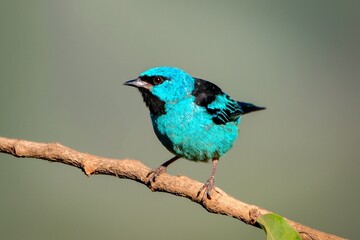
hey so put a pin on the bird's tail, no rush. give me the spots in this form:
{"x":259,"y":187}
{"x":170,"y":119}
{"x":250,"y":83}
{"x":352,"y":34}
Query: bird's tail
{"x":249,"y":107}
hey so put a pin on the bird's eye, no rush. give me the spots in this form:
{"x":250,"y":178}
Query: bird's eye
{"x":158,"y":80}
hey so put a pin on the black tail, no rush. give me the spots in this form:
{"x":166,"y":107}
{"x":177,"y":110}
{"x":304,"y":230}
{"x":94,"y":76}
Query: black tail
{"x":248,"y":107}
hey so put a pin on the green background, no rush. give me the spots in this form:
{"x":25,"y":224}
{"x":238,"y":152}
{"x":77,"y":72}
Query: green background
{"x":62,"y":65}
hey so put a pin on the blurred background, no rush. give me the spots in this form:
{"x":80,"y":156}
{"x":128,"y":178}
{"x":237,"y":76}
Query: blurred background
{"x":62,"y":65}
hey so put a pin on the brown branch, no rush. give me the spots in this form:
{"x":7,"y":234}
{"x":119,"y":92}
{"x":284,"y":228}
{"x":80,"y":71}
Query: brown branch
{"x":220,"y":203}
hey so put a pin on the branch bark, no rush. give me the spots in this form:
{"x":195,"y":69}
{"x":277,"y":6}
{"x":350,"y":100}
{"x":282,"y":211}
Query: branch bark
{"x":220,"y":202}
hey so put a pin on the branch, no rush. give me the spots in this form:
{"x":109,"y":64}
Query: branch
{"x":220,"y":202}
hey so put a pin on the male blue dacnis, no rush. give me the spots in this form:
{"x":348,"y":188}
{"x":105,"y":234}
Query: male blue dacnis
{"x":192,"y":117}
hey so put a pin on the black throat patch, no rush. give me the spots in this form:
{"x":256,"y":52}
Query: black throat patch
{"x":155,"y":105}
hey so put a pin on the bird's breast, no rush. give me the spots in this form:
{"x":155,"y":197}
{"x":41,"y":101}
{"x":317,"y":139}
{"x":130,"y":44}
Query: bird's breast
{"x":187,"y":130}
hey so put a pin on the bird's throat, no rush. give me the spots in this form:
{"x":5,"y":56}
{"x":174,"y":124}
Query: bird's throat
{"x":155,"y":105}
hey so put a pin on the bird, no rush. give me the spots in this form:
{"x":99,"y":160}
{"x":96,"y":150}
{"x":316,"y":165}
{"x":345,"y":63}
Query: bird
{"x":192,"y":117}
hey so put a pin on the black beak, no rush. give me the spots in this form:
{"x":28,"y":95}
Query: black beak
{"x":138,"y":83}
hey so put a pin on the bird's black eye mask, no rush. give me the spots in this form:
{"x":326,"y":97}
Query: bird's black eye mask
{"x":153,"y":80}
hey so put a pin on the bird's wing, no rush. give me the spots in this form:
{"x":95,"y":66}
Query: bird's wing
{"x":222,"y":108}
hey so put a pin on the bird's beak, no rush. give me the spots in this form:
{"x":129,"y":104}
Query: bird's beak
{"x":138,"y":83}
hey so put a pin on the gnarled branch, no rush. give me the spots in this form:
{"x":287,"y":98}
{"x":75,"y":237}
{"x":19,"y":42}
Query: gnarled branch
{"x":220,"y":202}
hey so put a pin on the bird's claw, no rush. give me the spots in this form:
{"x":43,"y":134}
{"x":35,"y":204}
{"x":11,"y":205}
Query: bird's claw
{"x":153,"y":174}
{"x":208,"y":186}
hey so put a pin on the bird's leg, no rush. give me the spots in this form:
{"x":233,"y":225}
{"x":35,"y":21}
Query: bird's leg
{"x":153,"y":174}
{"x":208,"y":186}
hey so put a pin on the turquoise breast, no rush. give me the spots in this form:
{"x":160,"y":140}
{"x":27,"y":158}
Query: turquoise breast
{"x":188,"y":131}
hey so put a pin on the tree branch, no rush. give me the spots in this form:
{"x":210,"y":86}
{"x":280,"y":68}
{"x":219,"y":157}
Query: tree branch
{"x":220,"y":202}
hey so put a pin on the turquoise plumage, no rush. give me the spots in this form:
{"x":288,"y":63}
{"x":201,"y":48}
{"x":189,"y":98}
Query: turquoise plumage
{"x":191,"y":117}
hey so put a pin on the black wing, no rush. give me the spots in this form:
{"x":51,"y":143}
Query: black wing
{"x":217,"y":103}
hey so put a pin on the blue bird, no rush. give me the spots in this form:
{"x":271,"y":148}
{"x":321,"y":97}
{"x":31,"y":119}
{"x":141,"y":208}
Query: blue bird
{"x":191,"y":117}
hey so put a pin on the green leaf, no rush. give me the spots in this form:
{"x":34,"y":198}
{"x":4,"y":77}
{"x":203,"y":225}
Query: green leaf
{"x":277,"y":228}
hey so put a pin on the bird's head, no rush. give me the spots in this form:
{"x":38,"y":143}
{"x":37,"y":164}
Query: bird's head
{"x":168,"y":84}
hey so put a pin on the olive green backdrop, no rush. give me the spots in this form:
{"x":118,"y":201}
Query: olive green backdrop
{"x":62,"y":65}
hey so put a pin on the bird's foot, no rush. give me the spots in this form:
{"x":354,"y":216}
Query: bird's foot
{"x":153,"y":174}
{"x":208,"y":186}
